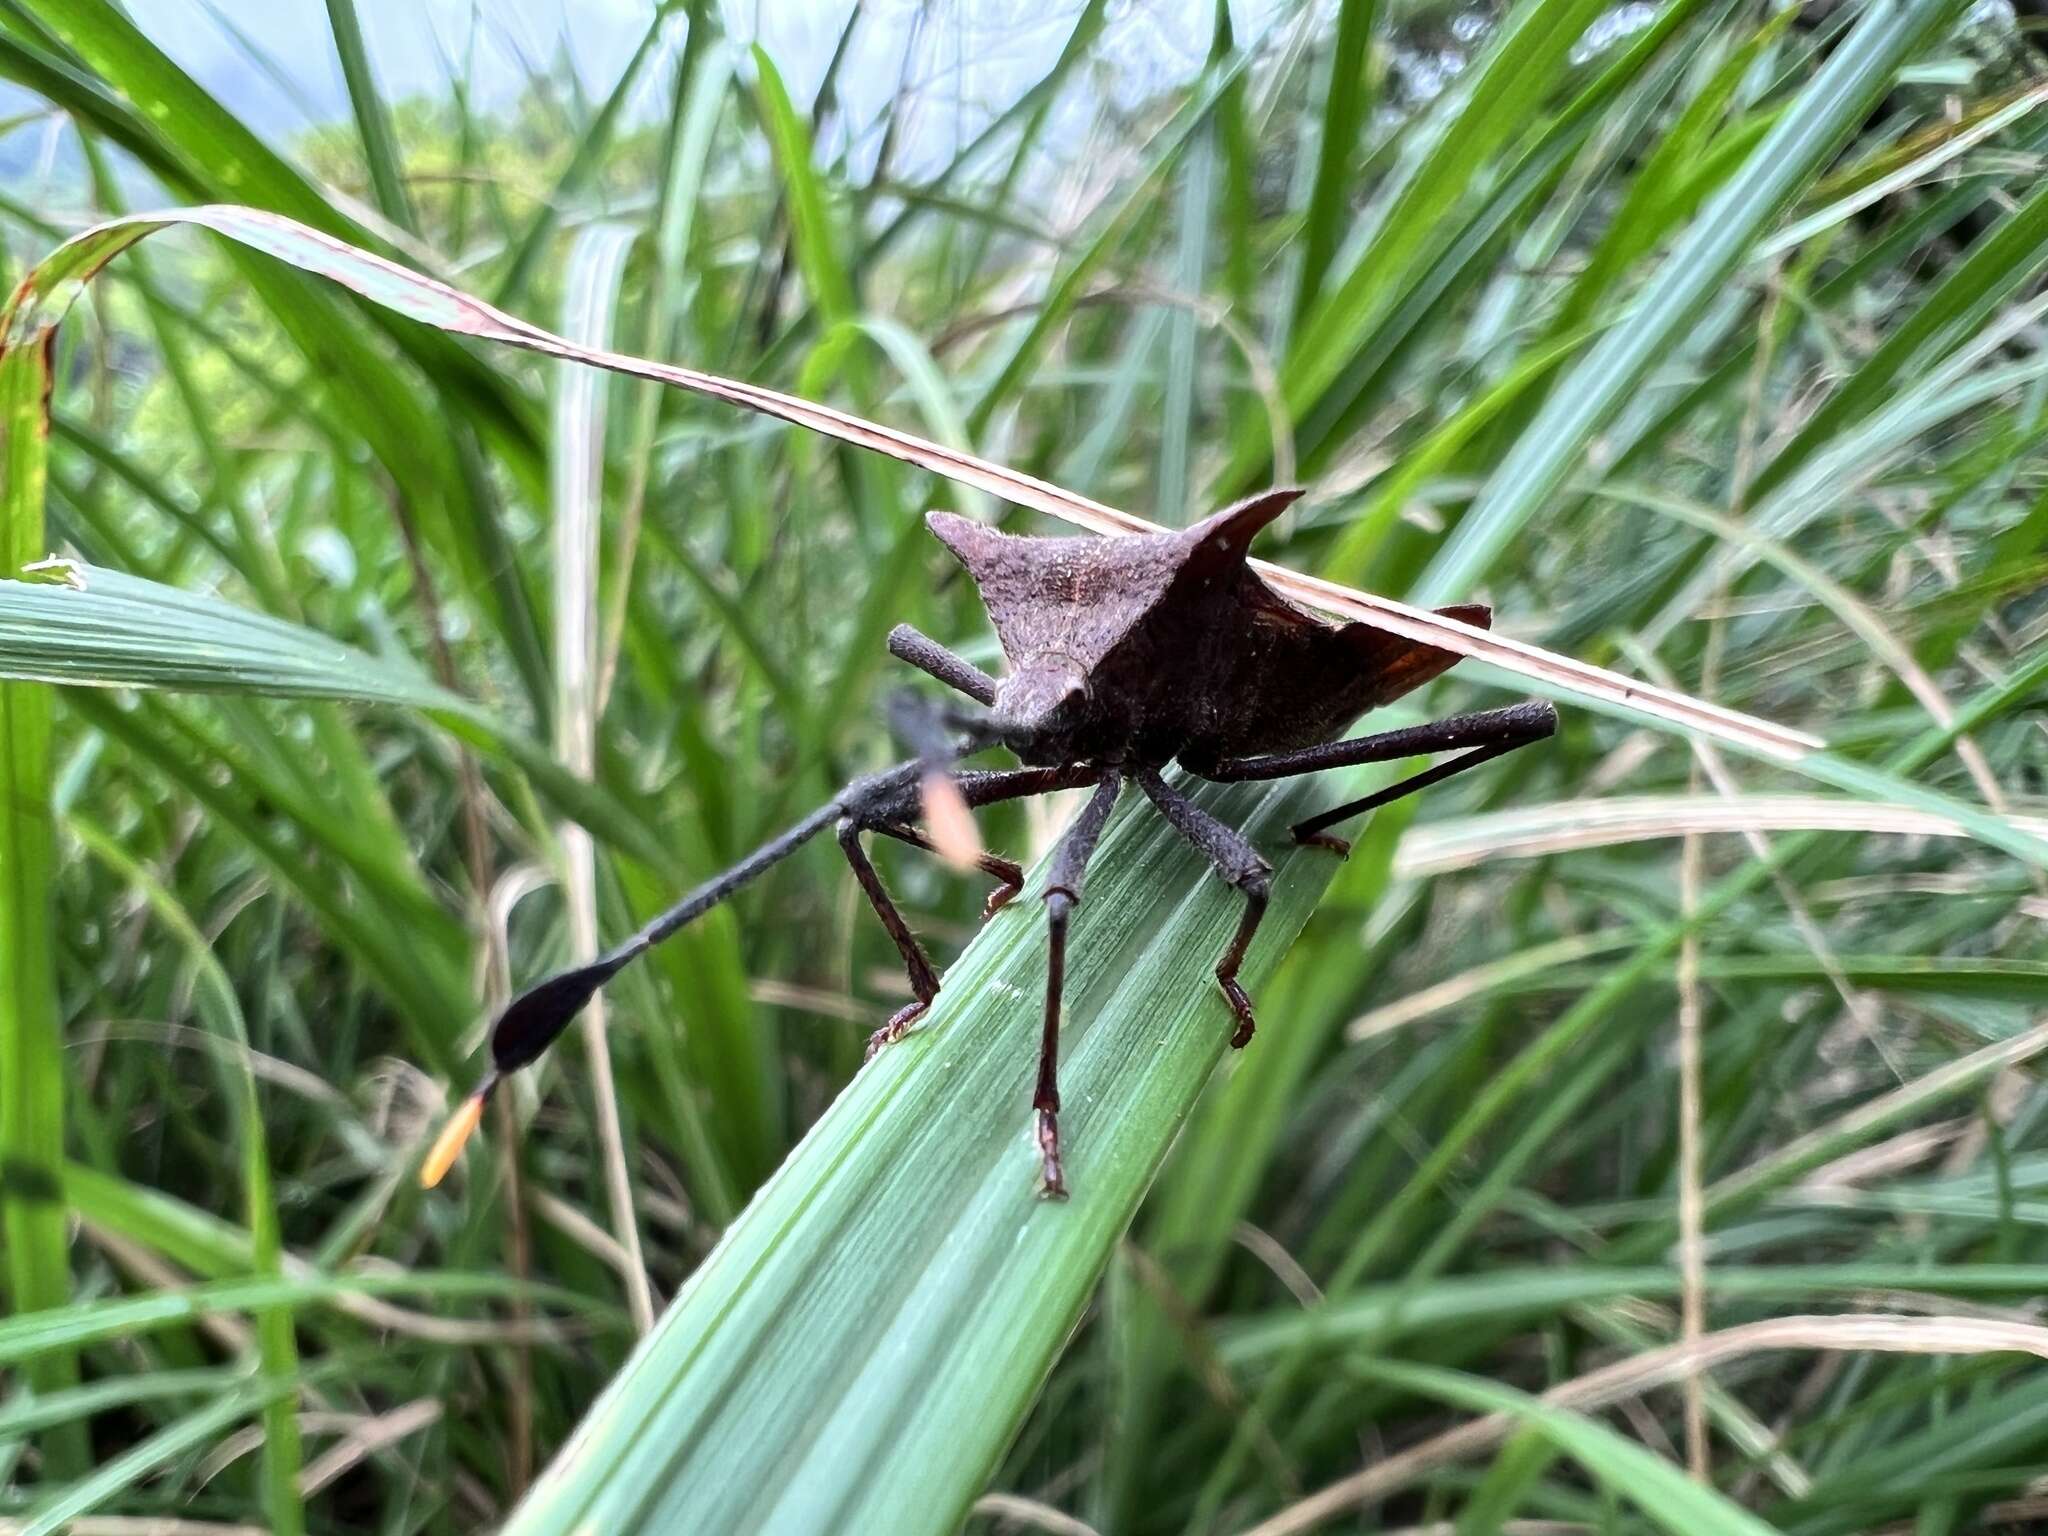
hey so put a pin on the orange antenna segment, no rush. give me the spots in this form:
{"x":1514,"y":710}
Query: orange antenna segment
{"x":949,"y":822}
{"x":449,"y":1144}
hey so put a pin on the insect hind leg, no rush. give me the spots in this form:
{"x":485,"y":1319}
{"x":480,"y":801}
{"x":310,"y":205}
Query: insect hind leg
{"x":1482,"y":736}
{"x":1505,"y":731}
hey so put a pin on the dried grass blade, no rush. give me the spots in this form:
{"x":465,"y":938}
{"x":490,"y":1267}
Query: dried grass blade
{"x":40,"y":304}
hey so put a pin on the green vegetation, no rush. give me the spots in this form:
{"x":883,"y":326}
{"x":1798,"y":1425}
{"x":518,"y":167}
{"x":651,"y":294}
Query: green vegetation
{"x":1703,"y":340}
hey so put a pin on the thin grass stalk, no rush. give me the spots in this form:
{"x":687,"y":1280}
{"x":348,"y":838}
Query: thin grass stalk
{"x":32,"y":1077}
{"x":1692,"y":1244}
{"x":597,"y":265}
{"x":373,"y":118}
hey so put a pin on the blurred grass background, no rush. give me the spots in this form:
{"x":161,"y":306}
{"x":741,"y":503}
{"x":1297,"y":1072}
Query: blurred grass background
{"x":1703,"y":340}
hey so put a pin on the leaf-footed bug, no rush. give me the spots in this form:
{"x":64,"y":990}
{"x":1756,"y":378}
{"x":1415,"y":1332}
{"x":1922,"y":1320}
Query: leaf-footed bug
{"x":1123,"y":655}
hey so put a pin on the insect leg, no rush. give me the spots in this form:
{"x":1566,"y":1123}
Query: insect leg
{"x":927,"y":655}
{"x":1240,"y":865}
{"x":924,"y":981}
{"x":1008,"y":874}
{"x":891,"y":814}
{"x":987,"y":786}
{"x":1489,"y":734}
{"x":888,"y":810}
{"x":533,"y":1020}
{"x":1062,"y":894}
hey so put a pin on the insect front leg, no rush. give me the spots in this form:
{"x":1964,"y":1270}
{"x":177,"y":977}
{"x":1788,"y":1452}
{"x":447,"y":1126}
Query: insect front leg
{"x":1241,"y":866}
{"x":1007,"y":873}
{"x":1062,"y":894}
{"x":924,"y":981}
{"x":888,"y":810}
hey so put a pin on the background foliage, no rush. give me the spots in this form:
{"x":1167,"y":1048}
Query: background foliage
{"x":1702,"y":339}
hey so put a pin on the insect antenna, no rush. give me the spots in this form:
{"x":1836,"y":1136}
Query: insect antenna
{"x":536,"y":1018}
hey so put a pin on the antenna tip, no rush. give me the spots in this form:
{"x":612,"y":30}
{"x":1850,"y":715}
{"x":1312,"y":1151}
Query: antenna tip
{"x":454,"y":1136}
{"x":949,"y":822}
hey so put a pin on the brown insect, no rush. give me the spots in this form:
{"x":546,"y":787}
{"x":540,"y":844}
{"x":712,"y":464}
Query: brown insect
{"x":1124,"y":655}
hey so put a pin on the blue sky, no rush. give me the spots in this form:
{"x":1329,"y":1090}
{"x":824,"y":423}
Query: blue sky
{"x":271,"y":59}
{"x":236,"y":48}
{"x":960,"y":61}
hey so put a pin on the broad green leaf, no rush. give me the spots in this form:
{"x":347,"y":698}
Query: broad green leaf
{"x":899,"y":1279}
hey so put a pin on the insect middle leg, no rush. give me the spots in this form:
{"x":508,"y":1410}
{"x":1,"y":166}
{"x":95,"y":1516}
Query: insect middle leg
{"x":1241,"y":866}
{"x":1062,"y":894}
{"x":1489,"y":734}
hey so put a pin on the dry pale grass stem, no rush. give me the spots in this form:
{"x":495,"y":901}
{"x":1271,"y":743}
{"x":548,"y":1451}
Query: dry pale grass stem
{"x":1883,"y":1333}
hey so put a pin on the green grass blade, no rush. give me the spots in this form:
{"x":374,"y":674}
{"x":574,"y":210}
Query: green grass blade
{"x":32,"y":1079}
{"x":817,"y":248}
{"x":118,"y":630}
{"x":1826,"y":111}
{"x":34,"y":1335}
{"x":1378,"y":1319}
{"x":1346,"y":101}
{"x":1190,"y":268}
{"x":1656,"y":1487}
{"x":103,"y":629}
{"x":373,"y":118}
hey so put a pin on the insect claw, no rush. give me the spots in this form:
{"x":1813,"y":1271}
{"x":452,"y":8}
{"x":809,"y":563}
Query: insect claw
{"x":897,"y":1027}
{"x":1241,"y":1005}
{"x":1000,"y":898}
{"x":1054,"y":1183}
